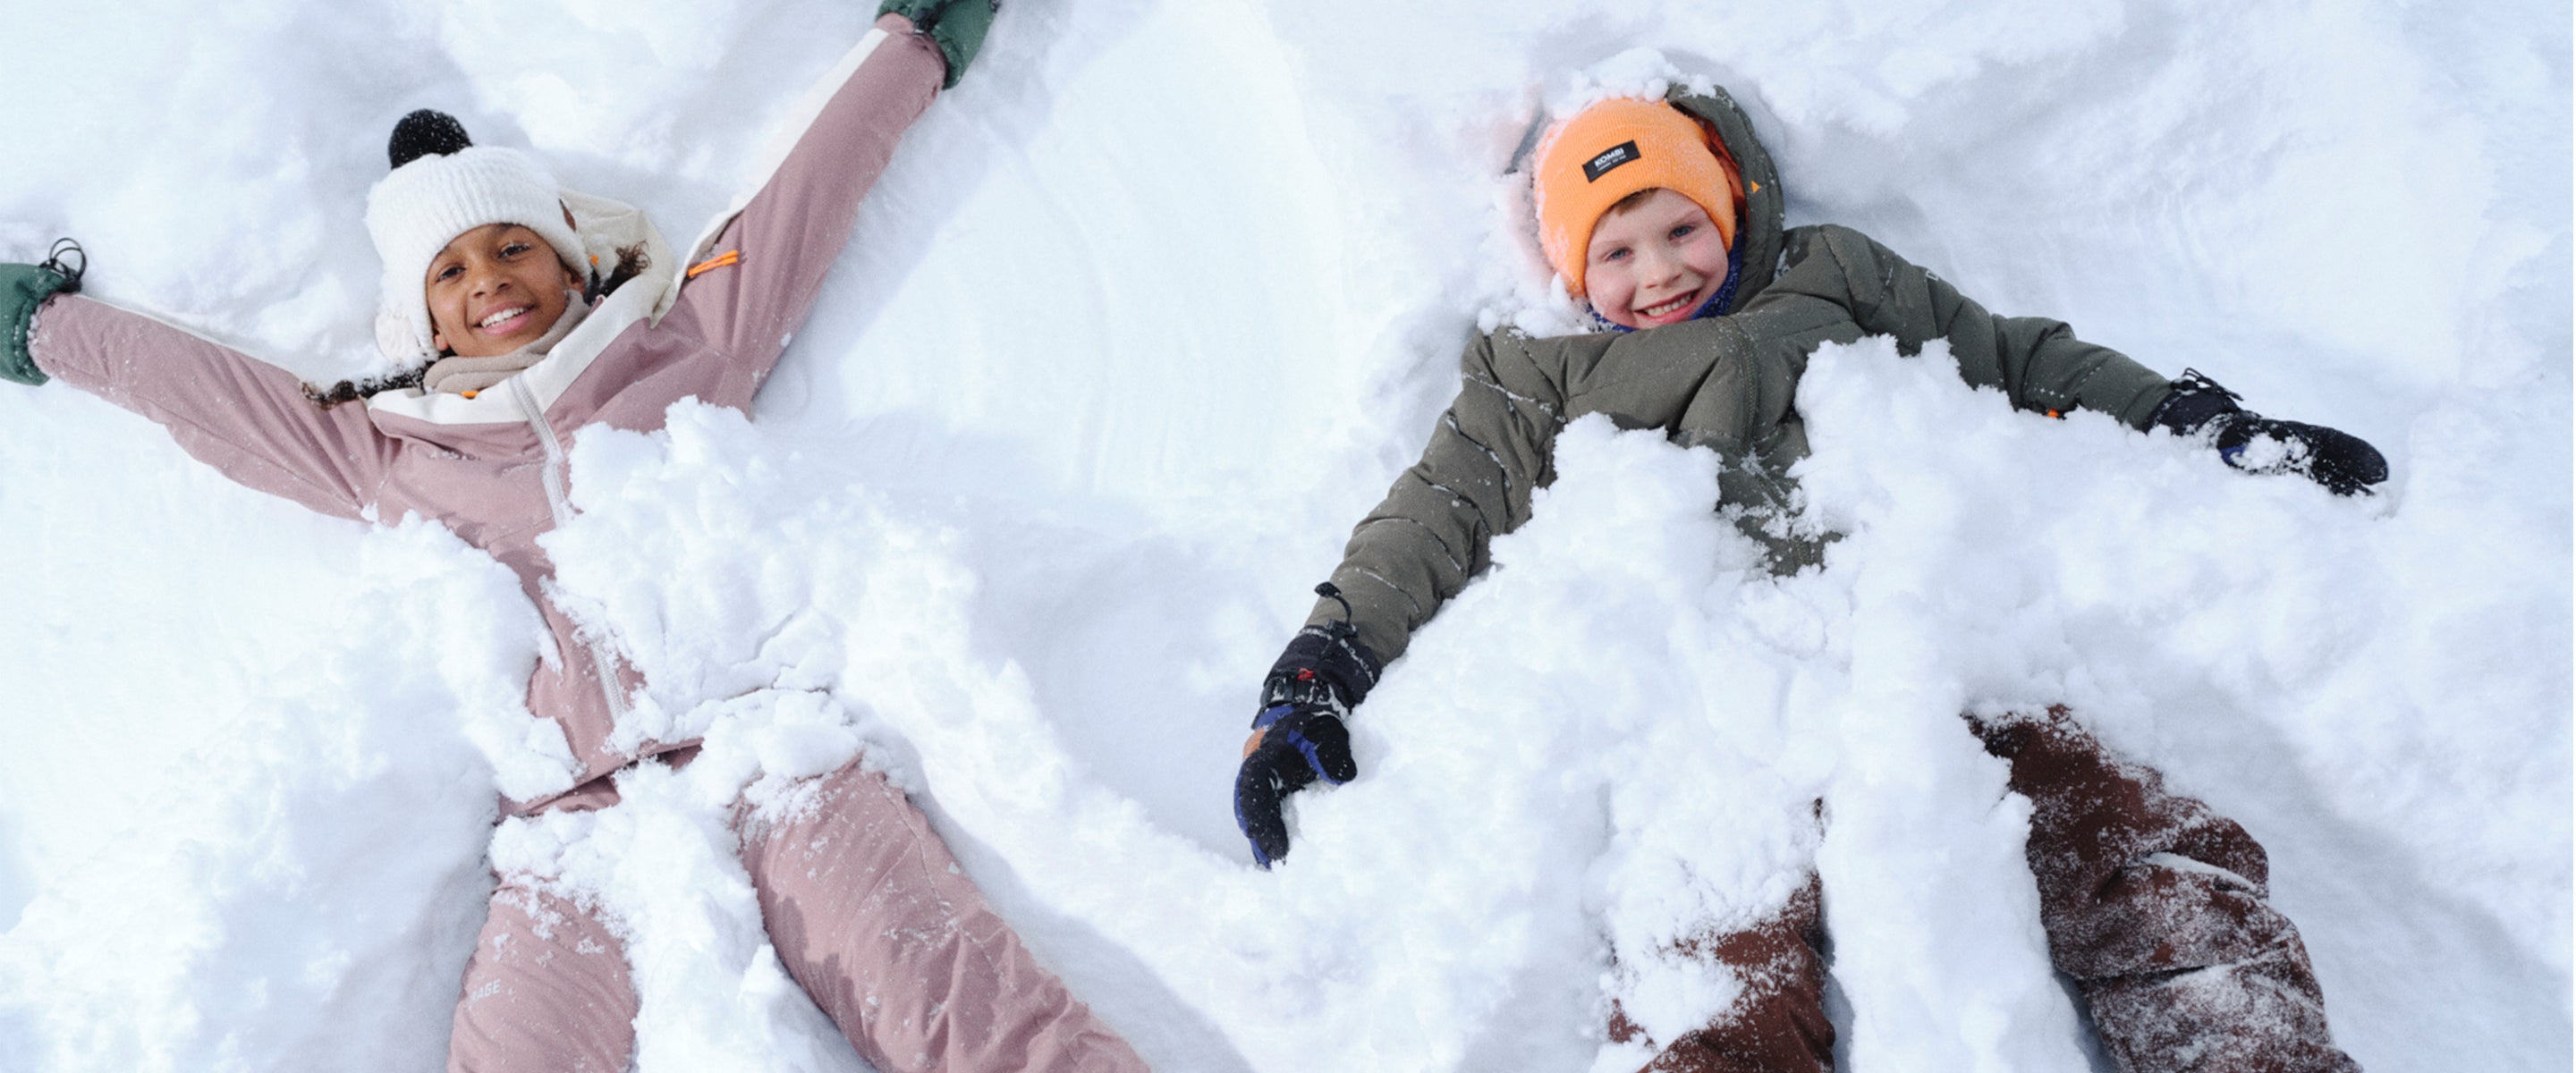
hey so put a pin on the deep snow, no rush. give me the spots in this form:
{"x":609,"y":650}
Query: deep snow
{"x":1146,"y":314}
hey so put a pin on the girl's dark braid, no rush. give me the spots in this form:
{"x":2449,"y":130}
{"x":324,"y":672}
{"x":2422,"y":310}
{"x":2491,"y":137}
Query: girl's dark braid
{"x":353,"y":390}
{"x":631,"y":262}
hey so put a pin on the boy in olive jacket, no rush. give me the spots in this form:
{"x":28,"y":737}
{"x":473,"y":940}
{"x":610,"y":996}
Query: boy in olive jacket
{"x":1665,"y":215}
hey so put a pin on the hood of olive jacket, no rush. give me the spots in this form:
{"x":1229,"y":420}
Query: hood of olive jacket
{"x":1760,"y":231}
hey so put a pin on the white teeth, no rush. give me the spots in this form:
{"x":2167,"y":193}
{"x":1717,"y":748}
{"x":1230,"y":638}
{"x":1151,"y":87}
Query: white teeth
{"x":1666,"y":307}
{"x":497,"y":318}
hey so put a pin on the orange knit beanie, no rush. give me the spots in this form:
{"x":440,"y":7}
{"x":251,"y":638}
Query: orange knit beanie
{"x":1615,"y":148}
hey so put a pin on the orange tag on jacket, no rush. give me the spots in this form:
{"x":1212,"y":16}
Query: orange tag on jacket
{"x":728,"y":257}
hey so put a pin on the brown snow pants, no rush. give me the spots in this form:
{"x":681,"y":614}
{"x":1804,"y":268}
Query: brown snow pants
{"x":868,"y":912}
{"x":2153,"y":904}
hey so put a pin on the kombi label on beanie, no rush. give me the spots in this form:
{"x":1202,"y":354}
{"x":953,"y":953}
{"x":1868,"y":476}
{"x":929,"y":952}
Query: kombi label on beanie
{"x":1616,"y":155}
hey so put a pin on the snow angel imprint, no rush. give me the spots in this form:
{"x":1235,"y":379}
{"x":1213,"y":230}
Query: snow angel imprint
{"x":516,"y":313}
{"x":1665,"y":216}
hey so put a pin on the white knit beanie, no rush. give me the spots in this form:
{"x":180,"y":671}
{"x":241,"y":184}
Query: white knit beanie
{"x":420,"y":207}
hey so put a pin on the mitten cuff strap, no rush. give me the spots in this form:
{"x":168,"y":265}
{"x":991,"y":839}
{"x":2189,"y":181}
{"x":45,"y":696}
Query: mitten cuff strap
{"x":2195,"y":401}
{"x":1325,"y":666}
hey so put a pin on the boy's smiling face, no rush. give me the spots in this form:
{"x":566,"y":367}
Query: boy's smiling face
{"x":1655,"y":259}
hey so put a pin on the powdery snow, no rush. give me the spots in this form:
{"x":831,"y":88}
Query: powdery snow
{"x":1145,"y":315}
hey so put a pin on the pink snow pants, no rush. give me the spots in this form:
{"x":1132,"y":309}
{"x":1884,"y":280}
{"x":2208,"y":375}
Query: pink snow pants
{"x":869,"y":913}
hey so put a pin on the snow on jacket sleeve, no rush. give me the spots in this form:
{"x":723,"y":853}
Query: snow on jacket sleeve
{"x":1494,"y":445}
{"x":765,"y":265}
{"x":2036,"y":362}
{"x":248,"y":419}
{"x":1704,"y":383}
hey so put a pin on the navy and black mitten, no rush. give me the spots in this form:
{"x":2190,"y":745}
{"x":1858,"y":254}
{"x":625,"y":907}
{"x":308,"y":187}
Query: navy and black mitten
{"x":2341,"y":461}
{"x":1314,"y":685}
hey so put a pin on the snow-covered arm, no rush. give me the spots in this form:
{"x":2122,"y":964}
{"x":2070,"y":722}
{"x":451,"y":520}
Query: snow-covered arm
{"x":2035,"y":361}
{"x":762,"y":268}
{"x":1492,"y":448}
{"x":248,"y":419}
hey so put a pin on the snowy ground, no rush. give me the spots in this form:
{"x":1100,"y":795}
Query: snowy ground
{"x":1146,"y":314}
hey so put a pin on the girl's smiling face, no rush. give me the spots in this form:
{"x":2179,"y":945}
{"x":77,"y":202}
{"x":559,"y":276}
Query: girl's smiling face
{"x":1655,"y":259}
{"x":495,"y":289}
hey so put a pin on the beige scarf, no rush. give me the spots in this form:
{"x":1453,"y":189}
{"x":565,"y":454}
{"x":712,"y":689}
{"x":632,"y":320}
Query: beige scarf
{"x":463,"y":376}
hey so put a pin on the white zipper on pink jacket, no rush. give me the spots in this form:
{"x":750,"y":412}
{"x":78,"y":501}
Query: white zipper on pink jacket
{"x":492,"y":466}
{"x":556,"y":478}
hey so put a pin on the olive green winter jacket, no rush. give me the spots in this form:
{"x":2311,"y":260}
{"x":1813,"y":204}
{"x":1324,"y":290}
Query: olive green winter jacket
{"x":1726,"y":382}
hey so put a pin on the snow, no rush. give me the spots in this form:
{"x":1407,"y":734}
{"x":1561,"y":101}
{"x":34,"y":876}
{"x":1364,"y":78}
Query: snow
{"x":1146,"y":314}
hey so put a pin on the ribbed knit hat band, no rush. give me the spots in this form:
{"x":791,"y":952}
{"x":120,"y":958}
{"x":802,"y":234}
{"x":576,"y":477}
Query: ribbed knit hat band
{"x":420,"y":207}
{"x":1615,"y":148}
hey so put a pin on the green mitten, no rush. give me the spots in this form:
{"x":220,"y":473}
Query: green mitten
{"x":956,"y":26}
{"x":22,"y":289}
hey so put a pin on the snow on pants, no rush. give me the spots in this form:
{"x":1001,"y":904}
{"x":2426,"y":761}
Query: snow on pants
{"x":2153,"y":904}
{"x":868,"y":912}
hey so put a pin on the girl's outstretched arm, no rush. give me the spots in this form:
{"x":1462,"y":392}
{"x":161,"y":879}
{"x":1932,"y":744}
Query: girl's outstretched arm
{"x":752,"y":284}
{"x":248,"y":419}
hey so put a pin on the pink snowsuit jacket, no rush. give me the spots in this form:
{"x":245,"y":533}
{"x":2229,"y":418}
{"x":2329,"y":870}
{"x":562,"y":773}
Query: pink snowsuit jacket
{"x":492,"y":467}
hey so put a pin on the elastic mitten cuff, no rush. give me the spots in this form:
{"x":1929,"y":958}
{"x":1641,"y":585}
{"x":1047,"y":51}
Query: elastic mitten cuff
{"x":1324,"y":667}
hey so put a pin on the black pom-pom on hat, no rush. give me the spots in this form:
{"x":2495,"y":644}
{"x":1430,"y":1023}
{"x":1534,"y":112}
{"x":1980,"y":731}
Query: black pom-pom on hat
{"x":423,"y":133}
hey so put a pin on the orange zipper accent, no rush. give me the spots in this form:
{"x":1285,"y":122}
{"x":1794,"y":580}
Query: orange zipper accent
{"x":728,"y":257}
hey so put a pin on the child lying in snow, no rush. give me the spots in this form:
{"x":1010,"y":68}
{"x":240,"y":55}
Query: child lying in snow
{"x":1665,"y":215}
{"x":494,"y":296}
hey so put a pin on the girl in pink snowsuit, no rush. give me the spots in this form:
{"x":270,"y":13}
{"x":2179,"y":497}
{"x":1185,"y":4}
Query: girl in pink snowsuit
{"x":538,"y":311}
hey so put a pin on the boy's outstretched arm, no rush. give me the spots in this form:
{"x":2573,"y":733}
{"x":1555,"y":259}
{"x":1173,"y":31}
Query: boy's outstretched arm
{"x":1422,"y":544}
{"x":2041,"y":366}
{"x":1493,"y":447}
{"x":2036,"y":362}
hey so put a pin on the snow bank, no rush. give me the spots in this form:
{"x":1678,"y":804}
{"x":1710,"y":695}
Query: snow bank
{"x":300,"y":887}
{"x":1146,"y":314}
